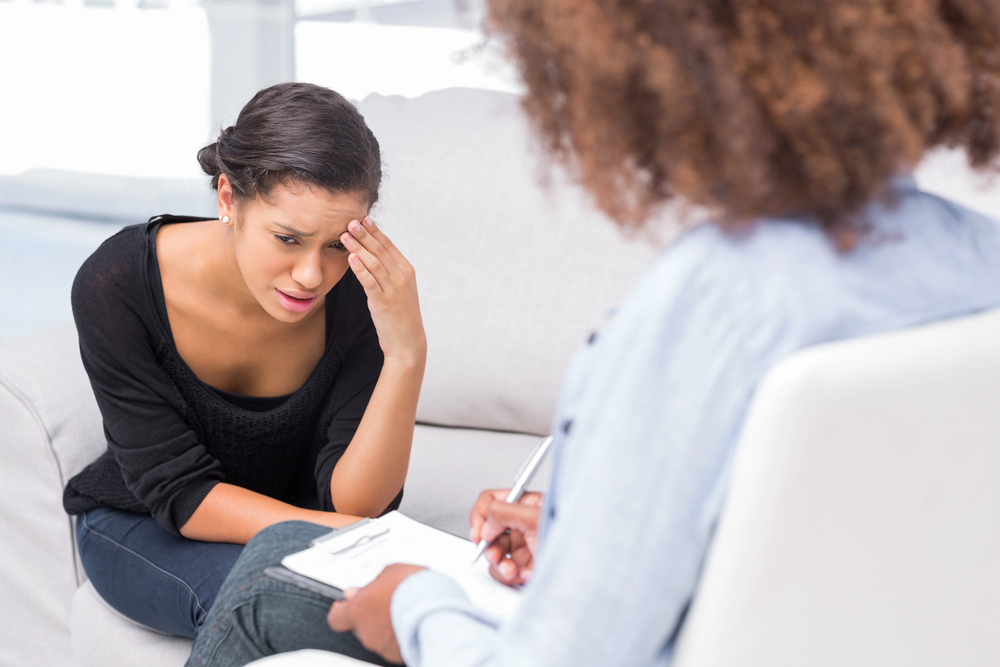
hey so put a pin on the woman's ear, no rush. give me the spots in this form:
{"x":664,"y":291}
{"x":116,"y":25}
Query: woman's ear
{"x":225,"y":200}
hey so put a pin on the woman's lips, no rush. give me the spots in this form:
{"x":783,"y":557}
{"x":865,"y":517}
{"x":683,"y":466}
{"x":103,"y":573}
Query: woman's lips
{"x":294,"y":304}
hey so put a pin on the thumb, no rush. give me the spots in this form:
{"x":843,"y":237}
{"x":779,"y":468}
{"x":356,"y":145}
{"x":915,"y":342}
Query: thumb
{"x":339,"y":617}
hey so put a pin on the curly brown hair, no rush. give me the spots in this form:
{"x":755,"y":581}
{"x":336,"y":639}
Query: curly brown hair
{"x":754,"y":108}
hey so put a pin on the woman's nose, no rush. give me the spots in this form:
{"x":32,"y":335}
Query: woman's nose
{"x":308,"y":271}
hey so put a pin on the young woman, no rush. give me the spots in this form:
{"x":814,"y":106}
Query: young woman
{"x":250,"y":369}
{"x":795,"y":123}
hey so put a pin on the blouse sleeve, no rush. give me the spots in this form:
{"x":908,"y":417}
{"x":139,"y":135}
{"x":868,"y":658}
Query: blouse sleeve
{"x":162,"y":463}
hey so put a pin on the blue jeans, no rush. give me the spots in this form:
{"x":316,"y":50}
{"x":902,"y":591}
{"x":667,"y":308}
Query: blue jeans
{"x":162,"y":580}
{"x":256,"y":616}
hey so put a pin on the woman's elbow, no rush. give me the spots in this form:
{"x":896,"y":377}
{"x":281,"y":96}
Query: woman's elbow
{"x":365,"y":505}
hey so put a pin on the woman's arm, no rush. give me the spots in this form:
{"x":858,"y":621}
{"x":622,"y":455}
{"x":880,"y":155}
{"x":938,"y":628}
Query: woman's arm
{"x":372,"y":469}
{"x":234,"y":514}
{"x":371,"y":472}
{"x":380,"y":445}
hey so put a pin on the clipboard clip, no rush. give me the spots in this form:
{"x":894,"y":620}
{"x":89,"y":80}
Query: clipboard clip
{"x":339,"y":542}
{"x":364,"y":539}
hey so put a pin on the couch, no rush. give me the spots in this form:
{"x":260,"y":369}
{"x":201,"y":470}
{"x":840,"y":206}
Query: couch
{"x":514,"y":272}
{"x":515,"y":269}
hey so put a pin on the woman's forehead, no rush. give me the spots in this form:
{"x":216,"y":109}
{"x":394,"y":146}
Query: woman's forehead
{"x":303,"y":203}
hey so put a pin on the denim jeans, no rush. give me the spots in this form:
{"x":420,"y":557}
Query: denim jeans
{"x":161,"y":580}
{"x":255,"y":616}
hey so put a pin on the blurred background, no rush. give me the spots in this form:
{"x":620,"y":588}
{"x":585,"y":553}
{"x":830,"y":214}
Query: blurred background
{"x":105,"y":104}
{"x":135,"y":87}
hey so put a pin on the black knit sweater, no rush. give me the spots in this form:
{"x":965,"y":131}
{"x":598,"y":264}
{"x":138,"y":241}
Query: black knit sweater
{"x":172,"y":438}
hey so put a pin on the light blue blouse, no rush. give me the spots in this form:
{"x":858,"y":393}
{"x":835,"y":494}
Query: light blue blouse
{"x":650,"y":413}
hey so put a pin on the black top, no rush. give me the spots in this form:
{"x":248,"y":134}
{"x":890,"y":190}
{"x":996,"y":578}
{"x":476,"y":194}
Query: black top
{"x":172,"y":438}
{"x":251,"y":403}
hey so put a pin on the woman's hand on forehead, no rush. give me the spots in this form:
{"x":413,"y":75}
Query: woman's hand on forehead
{"x":390,"y":283}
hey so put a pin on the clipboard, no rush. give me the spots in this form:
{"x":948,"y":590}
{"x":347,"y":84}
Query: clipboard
{"x":353,"y":556}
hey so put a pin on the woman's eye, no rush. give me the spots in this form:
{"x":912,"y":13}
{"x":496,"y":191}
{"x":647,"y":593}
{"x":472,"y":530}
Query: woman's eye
{"x":287,"y":240}
{"x":338,"y":245}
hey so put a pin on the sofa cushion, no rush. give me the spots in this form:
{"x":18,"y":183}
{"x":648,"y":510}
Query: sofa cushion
{"x":512,"y":276}
{"x":449,"y":467}
{"x":102,"y":637}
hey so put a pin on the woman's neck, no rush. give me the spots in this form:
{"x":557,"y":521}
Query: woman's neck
{"x":223,"y":277}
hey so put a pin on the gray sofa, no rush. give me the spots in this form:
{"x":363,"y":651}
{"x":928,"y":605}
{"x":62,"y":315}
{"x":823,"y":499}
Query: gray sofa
{"x":513,"y":275}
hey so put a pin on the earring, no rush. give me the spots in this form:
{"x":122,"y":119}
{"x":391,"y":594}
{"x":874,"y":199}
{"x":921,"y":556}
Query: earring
{"x":225,"y":219}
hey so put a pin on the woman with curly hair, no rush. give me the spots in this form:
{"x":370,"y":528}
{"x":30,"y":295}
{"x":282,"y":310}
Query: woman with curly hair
{"x":795,"y":124}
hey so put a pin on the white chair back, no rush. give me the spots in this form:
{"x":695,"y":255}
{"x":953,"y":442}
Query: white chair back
{"x":862,"y":523}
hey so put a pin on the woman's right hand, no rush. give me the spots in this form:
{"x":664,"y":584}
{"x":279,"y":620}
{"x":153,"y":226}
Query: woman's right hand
{"x":391,"y":285}
{"x":513,"y":530}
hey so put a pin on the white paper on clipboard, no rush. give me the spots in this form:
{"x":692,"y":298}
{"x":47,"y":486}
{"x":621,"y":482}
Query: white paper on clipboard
{"x":354,"y":557}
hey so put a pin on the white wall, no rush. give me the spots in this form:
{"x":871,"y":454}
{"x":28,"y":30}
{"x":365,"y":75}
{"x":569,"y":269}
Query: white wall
{"x":357,"y":59}
{"x":127,"y":91}
{"x":103,"y":90}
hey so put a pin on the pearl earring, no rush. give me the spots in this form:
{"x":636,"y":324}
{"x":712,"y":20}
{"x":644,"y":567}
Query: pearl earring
{"x":225,"y":219}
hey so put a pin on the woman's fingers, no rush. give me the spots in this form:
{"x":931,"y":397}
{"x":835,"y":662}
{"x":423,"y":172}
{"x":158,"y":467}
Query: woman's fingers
{"x":390,"y":247}
{"x":501,"y":517}
{"x":391,"y":286}
{"x":512,"y":531}
{"x":369,"y":242}
{"x":479,"y":511}
{"x":478,"y":515}
{"x":368,"y":236}
{"x":371,"y":258}
{"x":514,"y":568}
{"x":510,"y":558}
{"x":531,"y":498}
{"x":504,"y":546}
{"x":365,"y":277}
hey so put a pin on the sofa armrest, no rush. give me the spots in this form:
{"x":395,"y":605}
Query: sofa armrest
{"x":51,"y":429}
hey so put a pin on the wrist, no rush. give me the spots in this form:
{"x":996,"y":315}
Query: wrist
{"x":409,"y":360}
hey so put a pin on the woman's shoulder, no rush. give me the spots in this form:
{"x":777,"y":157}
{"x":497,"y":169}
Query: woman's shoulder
{"x":116,"y":261}
{"x":113,"y":279}
{"x":122,"y":260}
{"x":922,"y":258}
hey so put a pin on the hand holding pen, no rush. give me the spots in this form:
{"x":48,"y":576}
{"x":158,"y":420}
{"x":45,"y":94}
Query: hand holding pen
{"x":505,"y":523}
{"x":512,"y":530}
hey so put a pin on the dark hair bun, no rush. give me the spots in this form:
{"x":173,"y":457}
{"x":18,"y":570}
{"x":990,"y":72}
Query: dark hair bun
{"x":300,"y":132}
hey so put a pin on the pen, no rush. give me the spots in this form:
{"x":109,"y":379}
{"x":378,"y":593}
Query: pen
{"x":521,"y":481}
